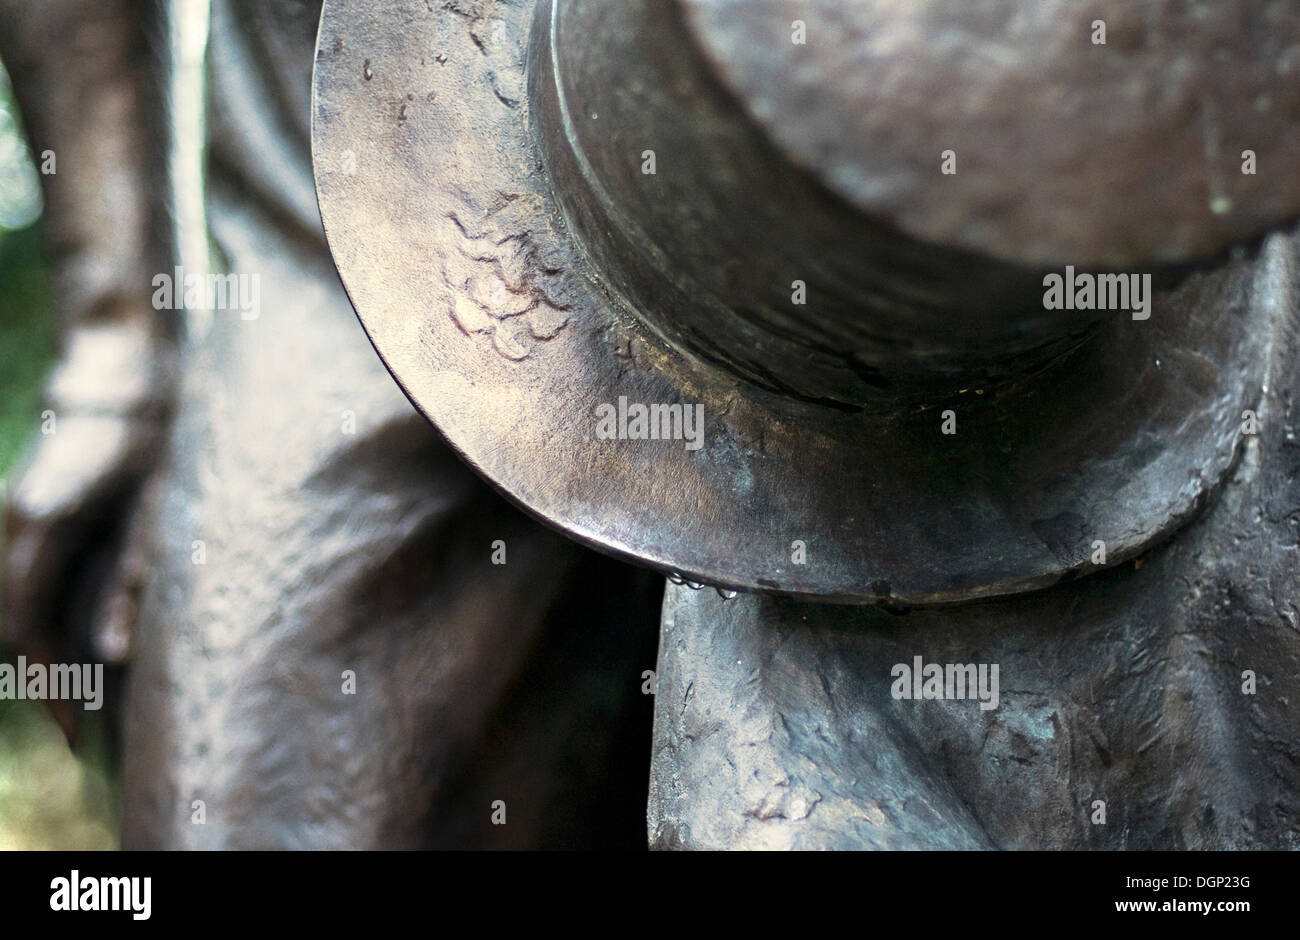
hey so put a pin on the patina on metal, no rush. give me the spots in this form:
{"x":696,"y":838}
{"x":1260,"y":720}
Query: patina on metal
{"x":480,"y":171}
{"x":820,"y":160}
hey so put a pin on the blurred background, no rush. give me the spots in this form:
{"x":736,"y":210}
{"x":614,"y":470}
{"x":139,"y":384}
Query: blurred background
{"x":52,"y":796}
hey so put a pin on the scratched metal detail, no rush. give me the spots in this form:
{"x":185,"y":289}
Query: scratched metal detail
{"x":485,"y":295}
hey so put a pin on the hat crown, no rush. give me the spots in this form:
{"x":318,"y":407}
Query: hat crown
{"x":1106,"y":134}
{"x":767,"y":182}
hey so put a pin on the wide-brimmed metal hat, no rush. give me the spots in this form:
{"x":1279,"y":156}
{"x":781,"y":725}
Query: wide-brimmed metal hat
{"x":857,"y":301}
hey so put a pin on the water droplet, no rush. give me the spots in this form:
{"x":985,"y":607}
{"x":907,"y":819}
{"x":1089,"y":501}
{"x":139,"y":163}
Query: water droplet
{"x":693,"y":585}
{"x":676,"y":578}
{"x":365,"y":71}
{"x":726,"y":593}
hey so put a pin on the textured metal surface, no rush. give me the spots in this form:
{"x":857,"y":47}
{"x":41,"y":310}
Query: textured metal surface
{"x":708,"y":247}
{"x":463,"y":271}
{"x":823,"y":161}
{"x":1127,"y":153}
{"x":775,"y":726}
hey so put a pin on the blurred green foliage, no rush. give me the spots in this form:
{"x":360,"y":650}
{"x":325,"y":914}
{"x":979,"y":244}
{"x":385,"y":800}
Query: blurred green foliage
{"x":27,"y":340}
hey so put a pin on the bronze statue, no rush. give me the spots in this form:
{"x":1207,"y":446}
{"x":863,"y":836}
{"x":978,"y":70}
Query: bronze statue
{"x":942,"y":357}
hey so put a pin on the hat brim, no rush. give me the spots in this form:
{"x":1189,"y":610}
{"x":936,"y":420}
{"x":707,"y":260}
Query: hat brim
{"x":455,"y":255}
